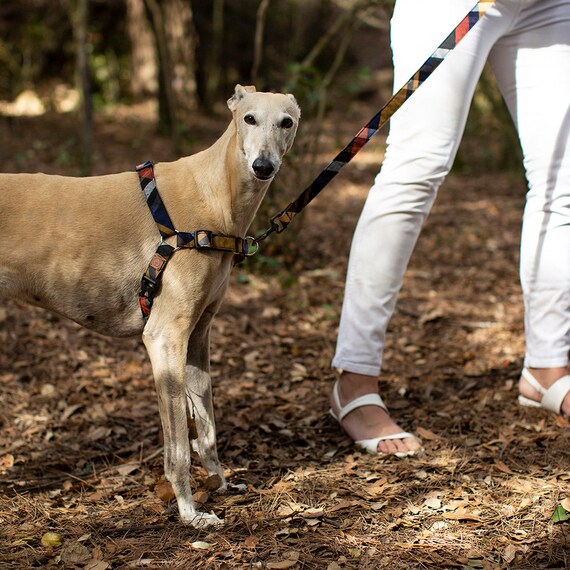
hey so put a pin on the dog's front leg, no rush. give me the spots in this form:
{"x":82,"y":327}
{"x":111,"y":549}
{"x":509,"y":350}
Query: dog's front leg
{"x":199,"y":393}
{"x":167,"y":346}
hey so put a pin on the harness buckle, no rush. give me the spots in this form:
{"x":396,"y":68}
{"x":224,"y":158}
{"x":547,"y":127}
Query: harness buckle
{"x":147,"y":286}
{"x":203,"y":239}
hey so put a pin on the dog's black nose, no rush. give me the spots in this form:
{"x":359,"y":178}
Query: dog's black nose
{"x":263,"y":168}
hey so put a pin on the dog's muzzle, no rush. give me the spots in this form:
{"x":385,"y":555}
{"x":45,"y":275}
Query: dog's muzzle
{"x":263,"y":168}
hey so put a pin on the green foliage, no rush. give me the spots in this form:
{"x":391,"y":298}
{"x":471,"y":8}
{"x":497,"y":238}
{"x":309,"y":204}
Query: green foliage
{"x":560,"y":514}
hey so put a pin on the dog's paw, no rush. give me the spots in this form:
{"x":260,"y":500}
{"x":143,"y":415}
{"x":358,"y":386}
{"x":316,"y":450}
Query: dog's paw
{"x":203,"y":520}
{"x":232,"y":489}
{"x":215,"y":482}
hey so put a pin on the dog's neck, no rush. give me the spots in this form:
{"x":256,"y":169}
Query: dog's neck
{"x":242,"y":200}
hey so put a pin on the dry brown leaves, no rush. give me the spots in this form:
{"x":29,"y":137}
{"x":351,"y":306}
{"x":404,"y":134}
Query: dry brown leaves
{"x":80,"y":445}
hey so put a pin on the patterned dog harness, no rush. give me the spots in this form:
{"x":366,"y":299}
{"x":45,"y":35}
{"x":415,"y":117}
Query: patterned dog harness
{"x":199,"y":239}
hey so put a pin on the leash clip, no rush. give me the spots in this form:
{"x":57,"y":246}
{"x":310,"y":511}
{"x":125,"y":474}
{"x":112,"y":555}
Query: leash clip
{"x":278,"y":223}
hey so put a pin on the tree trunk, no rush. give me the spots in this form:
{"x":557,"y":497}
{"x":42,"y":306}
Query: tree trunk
{"x":143,"y":51}
{"x":258,"y":44}
{"x":80,"y":19}
{"x":175,"y":37}
{"x":214,"y":67}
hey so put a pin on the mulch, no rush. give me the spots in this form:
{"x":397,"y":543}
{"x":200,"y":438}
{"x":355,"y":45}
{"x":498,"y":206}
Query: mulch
{"x":80,"y":444}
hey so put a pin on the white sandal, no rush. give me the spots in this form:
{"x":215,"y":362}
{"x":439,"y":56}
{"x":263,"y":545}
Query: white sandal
{"x":552,"y":398}
{"x":369,"y":445}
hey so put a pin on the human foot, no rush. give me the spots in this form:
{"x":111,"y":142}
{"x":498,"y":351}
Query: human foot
{"x":547,"y":388}
{"x":356,"y":405}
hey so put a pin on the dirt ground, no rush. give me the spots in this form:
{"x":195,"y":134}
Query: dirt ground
{"x":80,"y":440}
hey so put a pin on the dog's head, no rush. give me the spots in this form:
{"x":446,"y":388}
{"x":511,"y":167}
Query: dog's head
{"x":266,"y":124}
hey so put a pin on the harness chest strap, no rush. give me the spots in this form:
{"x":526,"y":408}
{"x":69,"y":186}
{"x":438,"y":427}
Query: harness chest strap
{"x":199,"y":239}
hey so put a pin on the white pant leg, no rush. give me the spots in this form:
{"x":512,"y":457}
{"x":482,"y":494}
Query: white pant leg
{"x":423,"y":140}
{"x":532,"y":65}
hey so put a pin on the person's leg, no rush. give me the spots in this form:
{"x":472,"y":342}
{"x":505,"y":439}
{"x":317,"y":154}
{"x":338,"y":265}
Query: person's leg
{"x":423,"y":140}
{"x":532,"y":65}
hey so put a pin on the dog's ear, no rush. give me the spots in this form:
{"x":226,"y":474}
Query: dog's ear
{"x":239,"y":94}
{"x":292,"y":97}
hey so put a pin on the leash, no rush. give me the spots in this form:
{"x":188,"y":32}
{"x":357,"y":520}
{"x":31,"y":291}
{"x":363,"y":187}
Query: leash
{"x":281,"y":220}
{"x":199,"y":239}
{"x":246,"y":247}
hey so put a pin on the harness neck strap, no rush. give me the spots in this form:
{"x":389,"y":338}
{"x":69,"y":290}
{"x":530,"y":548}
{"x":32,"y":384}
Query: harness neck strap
{"x":153,"y":199}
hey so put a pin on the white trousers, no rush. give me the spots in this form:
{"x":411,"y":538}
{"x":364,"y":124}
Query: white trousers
{"x":527,"y":43}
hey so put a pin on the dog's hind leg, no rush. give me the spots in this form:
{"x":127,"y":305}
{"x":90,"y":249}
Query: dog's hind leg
{"x":166,"y":344}
{"x":199,"y":394}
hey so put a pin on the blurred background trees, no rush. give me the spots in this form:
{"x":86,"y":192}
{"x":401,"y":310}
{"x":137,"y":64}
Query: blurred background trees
{"x":186,"y":55}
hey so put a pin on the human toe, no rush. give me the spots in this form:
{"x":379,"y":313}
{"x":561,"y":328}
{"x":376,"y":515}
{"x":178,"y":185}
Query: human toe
{"x":407,"y":446}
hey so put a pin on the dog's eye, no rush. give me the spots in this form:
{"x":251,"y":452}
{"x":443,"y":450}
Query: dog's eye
{"x":286,"y":123}
{"x":250,"y":120}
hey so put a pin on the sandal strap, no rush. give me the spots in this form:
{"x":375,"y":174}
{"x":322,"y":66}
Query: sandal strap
{"x":554,"y":396}
{"x":366,"y":400}
{"x":533,"y":381}
{"x":371,"y":445}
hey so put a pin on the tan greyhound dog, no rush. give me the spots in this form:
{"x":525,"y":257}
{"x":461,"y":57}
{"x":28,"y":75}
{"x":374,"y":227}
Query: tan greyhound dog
{"x":79,"y":247}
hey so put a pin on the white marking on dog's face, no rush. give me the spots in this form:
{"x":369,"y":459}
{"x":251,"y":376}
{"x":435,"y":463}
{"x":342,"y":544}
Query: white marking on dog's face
{"x":266,"y":125}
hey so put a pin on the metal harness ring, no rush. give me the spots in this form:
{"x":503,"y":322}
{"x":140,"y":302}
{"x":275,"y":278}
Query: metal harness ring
{"x":252,"y":246}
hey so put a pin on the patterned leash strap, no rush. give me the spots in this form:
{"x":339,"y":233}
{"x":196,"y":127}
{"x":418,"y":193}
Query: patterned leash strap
{"x":281,"y":220}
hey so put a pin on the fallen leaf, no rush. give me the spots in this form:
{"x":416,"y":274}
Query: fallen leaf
{"x":510,"y":553}
{"x":270,"y":312}
{"x":289,"y":509}
{"x":298,"y":372}
{"x":201,"y":497}
{"x":340,"y":506}
{"x":455,"y":504}
{"x":98,"y":433}
{"x":355,"y":552}
{"x":426,"y":434}
{"x":127,"y":468}
{"x":504,"y":468}
{"x":6,"y":462}
{"x":312,"y":513}
{"x":439,"y":526}
{"x":96,"y":565}
{"x":281,"y":564}
{"x":75,"y":553}
{"x":22,"y":540}
{"x":52,"y":539}
{"x":433,"y":503}
{"x":69,"y":411}
{"x":213,"y":482}
{"x":290,"y":561}
{"x":164,"y":490}
{"x":462,"y":514}
{"x":48,"y":390}
{"x":201,"y":545}
{"x":560,"y":514}
{"x":251,"y":542}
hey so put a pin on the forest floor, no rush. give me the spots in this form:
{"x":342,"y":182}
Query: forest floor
{"x":80,"y":439}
